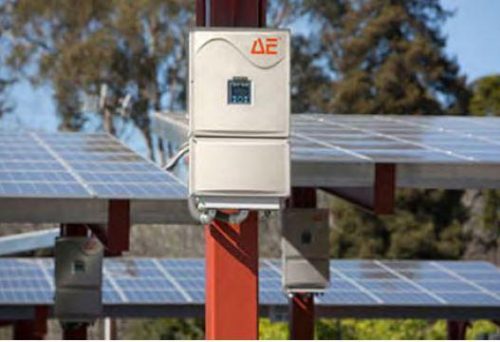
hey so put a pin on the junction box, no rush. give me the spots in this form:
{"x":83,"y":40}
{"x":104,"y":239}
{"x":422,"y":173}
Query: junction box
{"x":305,"y":250}
{"x":239,"y":110}
{"x":78,"y":279}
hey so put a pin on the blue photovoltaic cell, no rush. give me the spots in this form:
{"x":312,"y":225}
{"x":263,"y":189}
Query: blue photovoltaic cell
{"x":346,"y":298}
{"x":367,"y":274}
{"x":446,"y":286}
{"x":479,"y":276}
{"x":75,"y":165}
{"x":155,"y":297}
{"x":427,"y":275}
{"x":341,"y":285}
{"x":401,"y":298}
{"x":111,"y":297}
{"x":144,"y":284}
{"x":468,"y":266}
{"x":470,"y":298}
{"x":493,"y":286}
{"x":197,"y":296}
{"x":181,"y":281}
{"x":387,"y":286}
{"x":272,"y":297}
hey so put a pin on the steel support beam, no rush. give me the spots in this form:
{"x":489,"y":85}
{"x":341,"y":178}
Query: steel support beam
{"x":457,"y":330}
{"x":301,"y":305}
{"x":35,"y":329}
{"x":118,"y":230}
{"x":379,"y":199}
{"x":232,"y":251}
{"x":232,"y":305}
{"x":302,"y":316}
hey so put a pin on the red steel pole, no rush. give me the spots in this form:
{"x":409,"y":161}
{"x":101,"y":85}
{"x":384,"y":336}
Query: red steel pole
{"x":232,"y":304}
{"x":35,"y":329}
{"x":232,"y":253}
{"x":302,"y":316}
{"x":301,"y":305}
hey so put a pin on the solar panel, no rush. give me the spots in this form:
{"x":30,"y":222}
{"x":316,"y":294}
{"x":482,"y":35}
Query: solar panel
{"x":384,"y":288}
{"x":343,"y":150}
{"x":71,"y":177}
{"x":75,"y":165}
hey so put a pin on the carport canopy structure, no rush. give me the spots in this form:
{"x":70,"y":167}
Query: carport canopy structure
{"x":73,"y":178}
{"x":365,"y":158}
{"x":155,"y":287}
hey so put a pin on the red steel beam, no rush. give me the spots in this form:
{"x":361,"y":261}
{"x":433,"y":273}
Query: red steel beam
{"x":301,"y":305}
{"x":73,"y":230}
{"x":232,"y":253}
{"x":118,"y":230}
{"x":457,"y":330}
{"x":379,"y":199}
{"x":302,"y":316}
{"x":231,"y":13}
{"x":77,"y":332}
{"x":35,"y":329}
{"x":231,"y":305}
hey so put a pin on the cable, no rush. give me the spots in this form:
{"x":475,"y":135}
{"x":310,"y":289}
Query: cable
{"x":170,"y":164}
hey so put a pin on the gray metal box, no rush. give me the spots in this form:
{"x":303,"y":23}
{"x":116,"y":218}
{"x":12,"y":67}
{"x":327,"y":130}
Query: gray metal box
{"x":78,"y":279}
{"x":305,"y":250}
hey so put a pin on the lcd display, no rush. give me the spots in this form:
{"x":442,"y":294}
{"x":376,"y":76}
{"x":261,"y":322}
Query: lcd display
{"x":240,"y":91}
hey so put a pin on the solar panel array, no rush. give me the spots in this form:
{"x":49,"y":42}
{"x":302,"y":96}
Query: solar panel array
{"x":353,"y":283}
{"x":76,"y":165}
{"x":378,"y":138}
{"x":396,"y":139}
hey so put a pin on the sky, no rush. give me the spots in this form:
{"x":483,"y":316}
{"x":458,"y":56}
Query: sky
{"x":474,"y":36}
{"x":473,"y":39}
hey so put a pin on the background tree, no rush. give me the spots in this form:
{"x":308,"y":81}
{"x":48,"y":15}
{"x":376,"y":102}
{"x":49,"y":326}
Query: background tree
{"x":483,"y":227}
{"x":486,"y":96}
{"x":387,"y":57}
{"x":133,"y":48}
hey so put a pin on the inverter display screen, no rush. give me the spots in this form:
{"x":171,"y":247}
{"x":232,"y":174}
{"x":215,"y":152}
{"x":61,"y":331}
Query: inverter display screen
{"x":239,"y":91}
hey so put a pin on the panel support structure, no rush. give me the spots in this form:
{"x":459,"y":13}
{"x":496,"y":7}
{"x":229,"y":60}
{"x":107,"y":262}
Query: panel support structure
{"x":232,"y":307}
{"x":232,"y":253}
{"x":32,"y":329}
{"x":379,"y":198}
{"x":302,"y":316}
{"x":457,"y":330}
{"x":118,"y":230}
{"x":301,"y":305}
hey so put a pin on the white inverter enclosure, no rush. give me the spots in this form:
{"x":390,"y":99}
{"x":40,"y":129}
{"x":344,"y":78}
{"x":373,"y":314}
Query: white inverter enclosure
{"x":239,"y":114}
{"x":239,"y":82}
{"x":244,"y":168}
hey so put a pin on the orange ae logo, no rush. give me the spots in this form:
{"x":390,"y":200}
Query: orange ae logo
{"x":267,"y":46}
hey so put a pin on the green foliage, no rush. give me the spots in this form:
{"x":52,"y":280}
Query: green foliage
{"x":486,"y":98}
{"x":480,"y":329}
{"x":166,"y":329}
{"x":426,"y":225}
{"x":364,"y":329}
{"x":380,"y":329}
{"x":388,"y":57}
{"x":272,"y":330}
